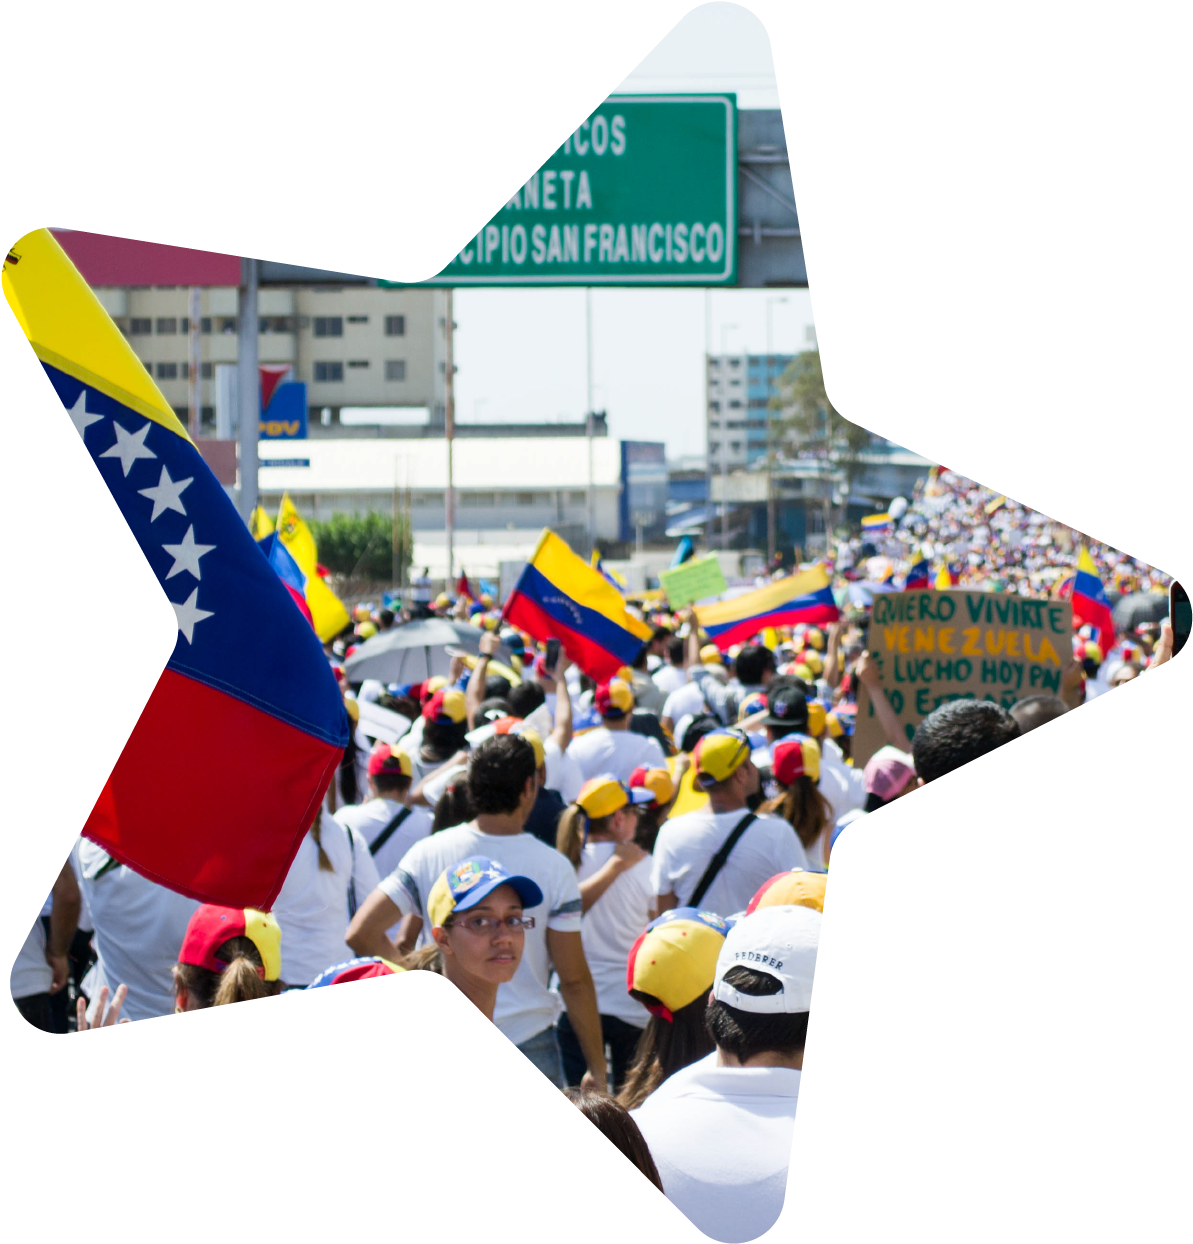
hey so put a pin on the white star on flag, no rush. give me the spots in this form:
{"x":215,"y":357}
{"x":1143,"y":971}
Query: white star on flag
{"x":165,"y":494}
{"x":81,"y":417}
{"x":186,"y":555}
{"x":189,"y":613}
{"x":129,"y":446}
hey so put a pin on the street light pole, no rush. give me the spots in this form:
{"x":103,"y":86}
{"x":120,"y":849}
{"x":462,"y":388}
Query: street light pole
{"x":725,"y":330}
{"x":449,"y":429}
{"x":248,"y":383}
{"x":590,"y":500}
{"x":708,"y":510}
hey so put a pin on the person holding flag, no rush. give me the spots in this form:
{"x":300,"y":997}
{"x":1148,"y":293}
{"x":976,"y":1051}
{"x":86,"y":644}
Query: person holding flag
{"x":245,"y":665}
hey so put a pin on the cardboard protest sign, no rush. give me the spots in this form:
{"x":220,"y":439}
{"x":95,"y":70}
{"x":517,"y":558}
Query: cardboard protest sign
{"x":932,"y":647}
{"x":693,"y":581}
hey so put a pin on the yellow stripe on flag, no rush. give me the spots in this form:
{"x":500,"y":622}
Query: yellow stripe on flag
{"x":556,"y":562}
{"x":69,"y":329}
{"x":765,"y":599}
{"x":327,"y":610}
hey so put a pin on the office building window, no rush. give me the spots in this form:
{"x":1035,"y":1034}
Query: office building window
{"x":735,"y":405}
{"x":166,"y":324}
{"x":478,"y":500}
{"x":276,"y":324}
{"x":139,"y":327}
{"x":577,"y":498}
{"x":395,"y":369}
{"x":395,"y":326}
{"x":358,"y":319}
{"x":329,"y":326}
{"x":207,"y":370}
{"x":205,"y":324}
{"x":428,"y":498}
{"x":167,"y":371}
{"x":227,"y":325}
{"x":184,"y":370}
{"x":358,"y":362}
{"x":328,"y":373}
{"x":714,"y":447}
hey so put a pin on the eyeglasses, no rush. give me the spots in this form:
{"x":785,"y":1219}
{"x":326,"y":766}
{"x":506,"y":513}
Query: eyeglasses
{"x":490,"y":924}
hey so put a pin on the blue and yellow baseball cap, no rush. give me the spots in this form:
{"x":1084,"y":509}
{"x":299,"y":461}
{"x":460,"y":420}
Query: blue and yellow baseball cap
{"x":718,"y":756}
{"x":675,"y":958}
{"x":471,"y":881}
{"x":355,"y":970}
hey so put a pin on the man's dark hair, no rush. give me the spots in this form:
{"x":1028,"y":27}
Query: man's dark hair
{"x":497,"y":688}
{"x":498,"y":773}
{"x":958,"y":732}
{"x":642,"y":721}
{"x":660,"y":632}
{"x":525,"y":698}
{"x":493,"y":708}
{"x":704,"y":724}
{"x":444,"y":738}
{"x":745,"y":1034}
{"x":675,"y":651}
{"x":639,"y":662}
{"x":391,"y":783}
{"x":752,"y":664}
{"x":387,"y":618}
{"x":1038,"y":710}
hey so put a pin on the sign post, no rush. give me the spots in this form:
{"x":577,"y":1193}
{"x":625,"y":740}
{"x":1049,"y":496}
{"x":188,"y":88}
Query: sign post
{"x":932,"y":647}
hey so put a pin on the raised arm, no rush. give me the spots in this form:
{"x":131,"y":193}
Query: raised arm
{"x":475,"y":694}
{"x":562,"y":734}
{"x":832,"y":663}
{"x":867,"y":672}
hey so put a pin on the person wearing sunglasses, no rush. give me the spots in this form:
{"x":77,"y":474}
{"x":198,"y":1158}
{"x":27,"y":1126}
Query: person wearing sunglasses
{"x":477,"y":921}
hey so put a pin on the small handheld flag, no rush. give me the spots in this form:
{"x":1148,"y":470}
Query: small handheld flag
{"x":876,"y":524}
{"x":917,"y":577}
{"x":1090,"y":604}
{"x":328,"y":615}
{"x":260,"y":524}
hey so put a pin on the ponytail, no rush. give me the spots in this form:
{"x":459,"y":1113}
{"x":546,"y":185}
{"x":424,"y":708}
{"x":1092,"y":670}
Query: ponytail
{"x":571,"y":832}
{"x":803,"y":807}
{"x":240,"y":981}
{"x":325,"y":864}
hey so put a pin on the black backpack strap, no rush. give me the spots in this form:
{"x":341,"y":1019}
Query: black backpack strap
{"x":351,"y":873}
{"x":388,"y":832}
{"x":718,"y":861}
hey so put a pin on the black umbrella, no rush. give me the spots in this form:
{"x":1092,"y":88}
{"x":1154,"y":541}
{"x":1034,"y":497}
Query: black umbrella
{"x":1138,"y":608}
{"x":413,"y":651}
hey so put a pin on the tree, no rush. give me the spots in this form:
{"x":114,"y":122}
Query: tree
{"x":362,"y":545}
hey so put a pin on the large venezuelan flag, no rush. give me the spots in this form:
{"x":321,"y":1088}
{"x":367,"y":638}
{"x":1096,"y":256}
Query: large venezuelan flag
{"x":230,"y":758}
{"x":558,"y":596}
{"x":805,"y":597}
{"x":1090,"y":604}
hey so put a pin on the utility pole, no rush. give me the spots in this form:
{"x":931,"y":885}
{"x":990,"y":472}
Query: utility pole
{"x":194,"y":367}
{"x":450,"y":432}
{"x":708,"y":510}
{"x":248,"y":383}
{"x":770,"y":449}
{"x":726,"y":329}
{"x":588,"y":421}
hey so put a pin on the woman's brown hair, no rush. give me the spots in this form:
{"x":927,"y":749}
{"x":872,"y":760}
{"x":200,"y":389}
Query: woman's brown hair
{"x":240,"y":981}
{"x":665,"y":1047}
{"x":574,"y":823}
{"x":316,"y":830}
{"x":613,"y":1119}
{"x":803,"y":807}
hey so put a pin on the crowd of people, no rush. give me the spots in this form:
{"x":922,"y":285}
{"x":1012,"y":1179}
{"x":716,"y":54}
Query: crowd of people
{"x":626,"y":877}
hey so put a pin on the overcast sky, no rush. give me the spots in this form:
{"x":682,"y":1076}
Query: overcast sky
{"x":521,"y":352}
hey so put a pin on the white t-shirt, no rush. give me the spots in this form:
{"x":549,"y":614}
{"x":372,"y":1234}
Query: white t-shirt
{"x":610,"y":927}
{"x":686,"y":845}
{"x":139,"y":927}
{"x":669,"y":678}
{"x":369,"y":819}
{"x":721,"y":1138}
{"x":843,"y":787}
{"x":525,"y":1005}
{"x":618,"y":752}
{"x":312,"y":906}
{"x":563,"y":774}
{"x":31,"y":974}
{"x":688,"y":699}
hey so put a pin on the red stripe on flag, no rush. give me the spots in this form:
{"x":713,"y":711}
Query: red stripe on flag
{"x":220,"y":820}
{"x":591,"y":658}
{"x":747,"y":628}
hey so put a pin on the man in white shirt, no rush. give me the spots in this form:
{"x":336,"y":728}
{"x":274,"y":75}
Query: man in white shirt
{"x":387,"y":825}
{"x":672,"y":676}
{"x":720,"y":1130}
{"x":503,"y":781}
{"x":613,"y":747}
{"x":685,"y":870}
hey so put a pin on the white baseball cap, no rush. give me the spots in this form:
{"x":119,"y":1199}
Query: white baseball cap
{"x":781,"y":942}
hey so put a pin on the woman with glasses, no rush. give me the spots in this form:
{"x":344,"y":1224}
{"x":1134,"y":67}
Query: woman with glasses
{"x":475,"y":911}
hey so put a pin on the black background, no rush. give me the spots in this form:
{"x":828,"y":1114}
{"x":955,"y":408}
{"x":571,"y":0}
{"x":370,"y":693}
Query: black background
{"x":989,"y":969}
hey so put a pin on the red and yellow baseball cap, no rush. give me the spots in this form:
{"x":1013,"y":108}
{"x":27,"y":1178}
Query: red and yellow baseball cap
{"x":210,"y":927}
{"x":796,"y":888}
{"x":385,"y":758}
{"x":675,"y":958}
{"x":795,"y":757}
{"x":614,"y":698}
{"x":431,"y":686}
{"x":446,"y":707}
{"x":718,"y":756}
{"x":515,"y":725}
{"x":658,"y":782}
{"x":355,"y":970}
{"x":603,"y":795}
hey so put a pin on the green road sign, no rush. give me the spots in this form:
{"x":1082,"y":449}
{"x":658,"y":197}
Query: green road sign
{"x":642,"y":193}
